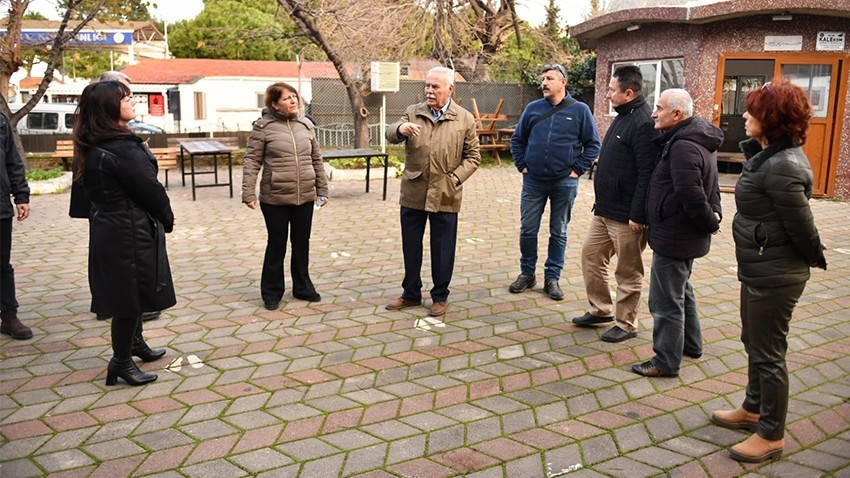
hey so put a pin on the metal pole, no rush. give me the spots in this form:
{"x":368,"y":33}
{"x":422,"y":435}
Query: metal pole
{"x":384,"y":123}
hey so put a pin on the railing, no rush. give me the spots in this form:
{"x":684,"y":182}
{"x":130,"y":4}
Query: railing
{"x":341,"y":135}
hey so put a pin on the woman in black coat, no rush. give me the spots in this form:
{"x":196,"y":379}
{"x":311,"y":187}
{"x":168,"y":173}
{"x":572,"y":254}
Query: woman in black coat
{"x":776,"y":243}
{"x":128,"y":266}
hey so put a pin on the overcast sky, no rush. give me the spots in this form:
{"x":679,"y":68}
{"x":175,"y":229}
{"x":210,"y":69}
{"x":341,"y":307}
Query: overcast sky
{"x":532,"y":11}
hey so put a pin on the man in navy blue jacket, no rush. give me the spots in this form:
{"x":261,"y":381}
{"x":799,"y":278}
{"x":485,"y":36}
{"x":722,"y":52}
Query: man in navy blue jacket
{"x":554,"y":143}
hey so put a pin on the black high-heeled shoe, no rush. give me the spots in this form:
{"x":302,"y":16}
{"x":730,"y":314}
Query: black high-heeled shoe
{"x":127,"y":370}
{"x":147,"y":354}
{"x":141,"y":349}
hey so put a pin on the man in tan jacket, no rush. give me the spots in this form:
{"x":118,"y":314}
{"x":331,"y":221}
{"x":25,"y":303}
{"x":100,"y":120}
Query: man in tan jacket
{"x":442,"y":152}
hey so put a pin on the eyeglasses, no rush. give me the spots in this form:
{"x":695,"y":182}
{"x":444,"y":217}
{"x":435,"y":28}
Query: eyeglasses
{"x":555,"y":66}
{"x":766,"y":87}
{"x":129,"y":99}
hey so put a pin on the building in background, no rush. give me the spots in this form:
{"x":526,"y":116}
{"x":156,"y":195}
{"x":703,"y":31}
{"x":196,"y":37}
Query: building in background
{"x":721,"y":50}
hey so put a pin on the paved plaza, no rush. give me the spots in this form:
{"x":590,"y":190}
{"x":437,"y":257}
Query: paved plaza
{"x":502,"y":386}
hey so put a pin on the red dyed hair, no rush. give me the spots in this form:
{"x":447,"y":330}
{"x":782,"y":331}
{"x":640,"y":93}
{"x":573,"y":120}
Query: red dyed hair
{"x":783,"y":109}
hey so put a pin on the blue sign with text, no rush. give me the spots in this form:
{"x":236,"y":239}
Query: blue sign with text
{"x":84,"y":37}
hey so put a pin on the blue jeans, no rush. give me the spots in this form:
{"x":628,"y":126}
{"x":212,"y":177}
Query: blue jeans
{"x":674,"y":312}
{"x":561,"y":194}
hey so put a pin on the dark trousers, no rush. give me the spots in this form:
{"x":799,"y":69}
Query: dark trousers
{"x":443,"y":244}
{"x":765,"y":315}
{"x":8,"y":303}
{"x":279,"y":221}
{"x":672,"y":303}
{"x":123,"y":329}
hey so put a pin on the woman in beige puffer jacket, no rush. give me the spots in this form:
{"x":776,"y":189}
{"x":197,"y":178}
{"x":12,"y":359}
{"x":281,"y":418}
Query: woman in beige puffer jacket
{"x":283,"y":146}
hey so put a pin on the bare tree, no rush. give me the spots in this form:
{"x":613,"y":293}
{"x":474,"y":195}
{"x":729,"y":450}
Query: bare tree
{"x":11,"y":59}
{"x":468,"y":34}
{"x":352,"y":33}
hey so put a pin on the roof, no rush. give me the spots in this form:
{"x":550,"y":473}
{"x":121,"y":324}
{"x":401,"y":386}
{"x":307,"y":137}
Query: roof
{"x":594,"y":29}
{"x":189,"y":70}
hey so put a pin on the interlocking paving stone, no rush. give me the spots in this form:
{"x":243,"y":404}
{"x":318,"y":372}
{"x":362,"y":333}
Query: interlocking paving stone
{"x":346,"y":388}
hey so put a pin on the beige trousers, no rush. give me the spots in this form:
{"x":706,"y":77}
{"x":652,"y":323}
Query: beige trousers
{"x":605,"y":238}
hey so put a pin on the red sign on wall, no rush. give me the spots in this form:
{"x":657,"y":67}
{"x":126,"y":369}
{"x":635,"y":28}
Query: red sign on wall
{"x":156,"y":105}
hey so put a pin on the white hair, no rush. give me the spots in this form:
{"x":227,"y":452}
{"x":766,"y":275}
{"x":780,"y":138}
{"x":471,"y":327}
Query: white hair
{"x":114,"y":76}
{"x":679,"y":99}
{"x":447,"y":73}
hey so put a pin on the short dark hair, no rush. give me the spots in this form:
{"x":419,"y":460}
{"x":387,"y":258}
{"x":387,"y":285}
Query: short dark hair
{"x":629,"y":77}
{"x":275,"y":91}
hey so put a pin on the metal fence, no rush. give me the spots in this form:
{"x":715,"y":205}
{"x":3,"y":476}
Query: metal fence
{"x":332,"y":111}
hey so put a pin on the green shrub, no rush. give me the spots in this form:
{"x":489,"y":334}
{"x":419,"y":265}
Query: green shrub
{"x":43,"y":174}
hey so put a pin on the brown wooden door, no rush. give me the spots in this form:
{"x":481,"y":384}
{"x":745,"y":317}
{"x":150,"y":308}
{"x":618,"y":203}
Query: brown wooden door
{"x":824,"y":77}
{"x":820,"y":80}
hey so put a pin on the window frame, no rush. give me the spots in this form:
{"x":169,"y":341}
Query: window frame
{"x":658,"y":66}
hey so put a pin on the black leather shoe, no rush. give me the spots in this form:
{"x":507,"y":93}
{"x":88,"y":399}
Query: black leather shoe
{"x":590,"y":319}
{"x":146,"y":316}
{"x":127,"y":370}
{"x":648,"y":370}
{"x":552,"y":288}
{"x":616,"y":334}
{"x":522,"y":283}
{"x":314,"y":297}
{"x":693,"y":355}
{"x":147,"y":354}
{"x":102,"y":316}
{"x":271,"y":305}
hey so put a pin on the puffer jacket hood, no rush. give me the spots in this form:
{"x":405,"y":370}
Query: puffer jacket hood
{"x":697,"y":130}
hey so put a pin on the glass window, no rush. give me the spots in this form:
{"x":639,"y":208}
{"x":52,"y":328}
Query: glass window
{"x":658,"y":75}
{"x":49,"y":121}
{"x":69,"y":121}
{"x":200,"y":106}
{"x":815,"y":80}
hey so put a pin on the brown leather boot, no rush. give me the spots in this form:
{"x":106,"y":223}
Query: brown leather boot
{"x":737,"y":419}
{"x":756,"y":449}
{"x":13,"y":327}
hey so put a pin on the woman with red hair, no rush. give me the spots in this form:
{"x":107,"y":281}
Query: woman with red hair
{"x":776,"y":243}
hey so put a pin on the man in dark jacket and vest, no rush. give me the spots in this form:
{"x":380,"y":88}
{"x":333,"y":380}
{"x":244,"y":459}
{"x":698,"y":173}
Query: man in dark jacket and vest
{"x":683,"y":208}
{"x":442,"y":152}
{"x":555,"y":142}
{"x":618,"y":225}
{"x":13,"y":182}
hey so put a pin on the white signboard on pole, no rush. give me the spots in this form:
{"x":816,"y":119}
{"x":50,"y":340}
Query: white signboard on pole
{"x":385,"y":76}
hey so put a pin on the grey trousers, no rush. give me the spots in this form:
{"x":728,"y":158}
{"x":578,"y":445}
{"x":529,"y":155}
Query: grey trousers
{"x":765,"y":315}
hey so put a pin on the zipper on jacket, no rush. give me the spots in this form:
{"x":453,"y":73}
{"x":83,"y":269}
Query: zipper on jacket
{"x":297,"y":165}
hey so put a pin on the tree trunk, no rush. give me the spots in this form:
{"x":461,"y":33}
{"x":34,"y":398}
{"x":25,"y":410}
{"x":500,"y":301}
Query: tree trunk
{"x":355,"y":88}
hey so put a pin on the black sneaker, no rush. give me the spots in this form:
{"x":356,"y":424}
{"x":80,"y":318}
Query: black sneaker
{"x":616,"y":334}
{"x":590,"y":319}
{"x":553,"y":289}
{"x":522,"y":283}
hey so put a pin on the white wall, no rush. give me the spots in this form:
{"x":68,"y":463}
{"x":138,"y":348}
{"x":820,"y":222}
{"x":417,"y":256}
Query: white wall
{"x":231,"y":103}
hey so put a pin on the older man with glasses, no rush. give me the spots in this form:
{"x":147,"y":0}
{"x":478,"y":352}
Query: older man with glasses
{"x":554,"y":143}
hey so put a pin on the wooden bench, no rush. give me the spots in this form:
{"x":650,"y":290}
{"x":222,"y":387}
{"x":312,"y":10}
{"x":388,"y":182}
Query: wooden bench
{"x":731,"y":157}
{"x":65,"y":152}
{"x":166,"y":159}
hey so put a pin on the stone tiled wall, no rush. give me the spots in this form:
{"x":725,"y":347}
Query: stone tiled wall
{"x":701,"y":46}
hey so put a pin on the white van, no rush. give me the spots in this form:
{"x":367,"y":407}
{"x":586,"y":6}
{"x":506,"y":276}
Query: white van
{"x":46,"y":118}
